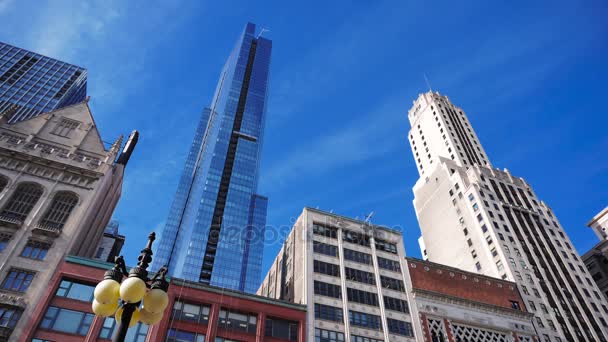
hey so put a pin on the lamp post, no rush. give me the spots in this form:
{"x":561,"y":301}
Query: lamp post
{"x":137,"y":303}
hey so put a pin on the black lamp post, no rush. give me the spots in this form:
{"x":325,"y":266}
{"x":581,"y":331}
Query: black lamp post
{"x":134,"y":291}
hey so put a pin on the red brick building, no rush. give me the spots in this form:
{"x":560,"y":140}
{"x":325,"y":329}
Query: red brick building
{"x":455,"y":305}
{"x":196,"y":312}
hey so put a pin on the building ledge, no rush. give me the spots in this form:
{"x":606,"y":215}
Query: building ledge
{"x":10,"y":222}
{"x":46,"y":229}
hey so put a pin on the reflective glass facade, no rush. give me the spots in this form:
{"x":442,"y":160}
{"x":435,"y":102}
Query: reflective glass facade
{"x":215,"y":230}
{"x":31,"y":84}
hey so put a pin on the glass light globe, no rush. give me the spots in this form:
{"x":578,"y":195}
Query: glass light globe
{"x":156,"y":301}
{"x":107,"y":291}
{"x":132,"y":290}
{"x":134,"y":318}
{"x":104,"y":310}
{"x":150,"y":318}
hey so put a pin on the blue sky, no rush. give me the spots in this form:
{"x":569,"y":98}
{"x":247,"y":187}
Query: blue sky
{"x":531,"y":77}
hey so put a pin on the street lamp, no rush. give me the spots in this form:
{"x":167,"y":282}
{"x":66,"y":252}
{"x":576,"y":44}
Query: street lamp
{"x":137,"y":303}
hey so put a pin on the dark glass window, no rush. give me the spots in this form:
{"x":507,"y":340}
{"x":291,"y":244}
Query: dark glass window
{"x":391,"y":283}
{"x":323,"y":248}
{"x":191,"y":312}
{"x":22,"y":201}
{"x":322,"y":335}
{"x":387,"y":264}
{"x":18,"y":280}
{"x":360,"y":276}
{"x":329,"y":290}
{"x":356,"y":238}
{"x":362,"y":297}
{"x":355,"y":338}
{"x":74,"y":290}
{"x":60,"y":209}
{"x":395,"y":304}
{"x":35,"y":250}
{"x":175,"y":335}
{"x":9,"y":316}
{"x":325,"y":231}
{"x":68,"y":321}
{"x":4,"y":240}
{"x":357,"y":256}
{"x":365,"y":320}
{"x":233,"y":320}
{"x":137,"y":333}
{"x":399,"y":327}
{"x":386,"y":246}
{"x":326,"y":268}
{"x":280,"y":328}
{"x":329,"y":313}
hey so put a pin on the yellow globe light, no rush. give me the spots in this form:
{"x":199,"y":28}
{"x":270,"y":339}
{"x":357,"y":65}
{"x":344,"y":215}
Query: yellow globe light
{"x":150,"y":318}
{"x":132,"y":290}
{"x":156,"y":301}
{"x":104,"y":310}
{"x":134,"y":318}
{"x":107,"y":291}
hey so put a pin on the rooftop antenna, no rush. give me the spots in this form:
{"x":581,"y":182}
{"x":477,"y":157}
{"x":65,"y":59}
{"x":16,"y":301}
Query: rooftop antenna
{"x":368,"y":218}
{"x":428,"y":84}
{"x":262,"y":31}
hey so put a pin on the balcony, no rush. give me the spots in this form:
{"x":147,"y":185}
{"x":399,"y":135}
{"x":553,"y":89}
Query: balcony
{"x":47,"y":229}
{"x":10,"y":221}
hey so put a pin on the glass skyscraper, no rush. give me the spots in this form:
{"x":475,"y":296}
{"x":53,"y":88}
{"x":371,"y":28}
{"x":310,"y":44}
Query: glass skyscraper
{"x":215,"y":230}
{"x":31,"y":84}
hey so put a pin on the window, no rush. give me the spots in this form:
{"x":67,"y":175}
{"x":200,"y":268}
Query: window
{"x":387,"y":264}
{"x":60,"y":209}
{"x":175,"y":335}
{"x":362,"y":297}
{"x":325,"y":231}
{"x":356,"y":238}
{"x":4,"y":240}
{"x":74,"y":290}
{"x":326,"y":268}
{"x":525,"y":290}
{"x":35,"y":250}
{"x":399,"y":327}
{"x":233,"y":320}
{"x":322,"y":335}
{"x":328,"y":313}
{"x":494,"y":252}
{"x":3,"y":183}
{"x":323,"y":248}
{"x":22,"y":201}
{"x":474,"y":254}
{"x":469,"y":242}
{"x":478,"y":266}
{"x":137,"y":333}
{"x":9,"y":316}
{"x":364,"y":320}
{"x":515,"y":305}
{"x":539,"y":322}
{"x":391,"y":283}
{"x":18,"y":280}
{"x":518,"y":275}
{"x":68,"y":321}
{"x":329,"y":290}
{"x":532,"y":306}
{"x":475,"y":207}
{"x":360,"y":276}
{"x":386,"y":246}
{"x":191,"y":312}
{"x":512,"y":262}
{"x":544,"y":308}
{"x":395,"y":304}
{"x":357,"y":256}
{"x":65,"y":127}
{"x":280,"y":328}
{"x":356,"y":338}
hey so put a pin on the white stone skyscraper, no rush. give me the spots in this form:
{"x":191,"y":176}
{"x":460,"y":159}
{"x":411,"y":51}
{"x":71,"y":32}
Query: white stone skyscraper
{"x":482,"y":219}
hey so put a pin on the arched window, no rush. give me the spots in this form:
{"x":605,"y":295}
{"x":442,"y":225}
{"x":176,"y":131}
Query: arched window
{"x":3,"y":183}
{"x":60,"y":209}
{"x":22,"y":201}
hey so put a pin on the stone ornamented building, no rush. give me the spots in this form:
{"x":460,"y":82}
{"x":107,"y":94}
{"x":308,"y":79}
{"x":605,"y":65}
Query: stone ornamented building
{"x":58,"y":188}
{"x":596,"y":259}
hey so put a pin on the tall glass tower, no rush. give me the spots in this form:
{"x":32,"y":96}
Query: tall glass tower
{"x":31,"y":84}
{"x":215,"y":230}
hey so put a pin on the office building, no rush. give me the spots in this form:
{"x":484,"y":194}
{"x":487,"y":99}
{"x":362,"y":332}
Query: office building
{"x":110,"y":244}
{"x":596,"y":259}
{"x":31,"y":84}
{"x":58,"y":188}
{"x":196,"y":312}
{"x":484,"y":220}
{"x":351,"y":275}
{"x":215,"y":229}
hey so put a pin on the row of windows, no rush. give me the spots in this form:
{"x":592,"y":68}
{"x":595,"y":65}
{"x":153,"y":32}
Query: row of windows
{"x":280,"y":328}
{"x":362,"y":297}
{"x":322,"y":335}
{"x":353,"y":237}
{"x":387,"y":264}
{"x":325,"y":231}
{"x":323,"y":248}
{"x":326,"y":268}
{"x":360,"y":257}
{"x":395,"y":304}
{"x":391,"y":283}
{"x":329,"y":313}
{"x":356,"y":256}
{"x":328,"y":290}
{"x":364,"y":320}
{"x":35,"y":250}
{"x":360,"y":276}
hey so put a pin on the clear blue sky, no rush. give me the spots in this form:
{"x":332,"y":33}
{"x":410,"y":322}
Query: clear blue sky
{"x":531,"y":77}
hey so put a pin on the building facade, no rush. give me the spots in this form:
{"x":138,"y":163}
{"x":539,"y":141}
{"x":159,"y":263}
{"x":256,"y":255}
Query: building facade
{"x":596,"y":259}
{"x":196,"y":312}
{"x":484,"y":220}
{"x":110,"y":244}
{"x":454,"y":305}
{"x":214,"y":232}
{"x":351,"y":276}
{"x":31,"y":84}
{"x":58,"y":188}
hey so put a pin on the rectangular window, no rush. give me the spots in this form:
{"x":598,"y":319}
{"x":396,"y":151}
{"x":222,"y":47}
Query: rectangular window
{"x":324,"y":231}
{"x":364,"y":320}
{"x":328,"y":290}
{"x":9,"y":316}
{"x":322,"y":335}
{"x":4,"y":240}
{"x":357,"y":256}
{"x":356,"y":238}
{"x":387,"y":264}
{"x":360,"y":276}
{"x":323,"y":248}
{"x":191,"y":312}
{"x":399,"y":327}
{"x":356,"y":338}
{"x":18,"y":280}
{"x":391,"y":283}
{"x":362,"y":297}
{"x":237,"y":321}
{"x":68,"y":321}
{"x":175,"y":335}
{"x":395,"y":304}
{"x":328,"y":313}
{"x":137,"y":333}
{"x":386,"y":246}
{"x":281,"y":328}
{"x":326,"y":268}
{"x":75,"y":290}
